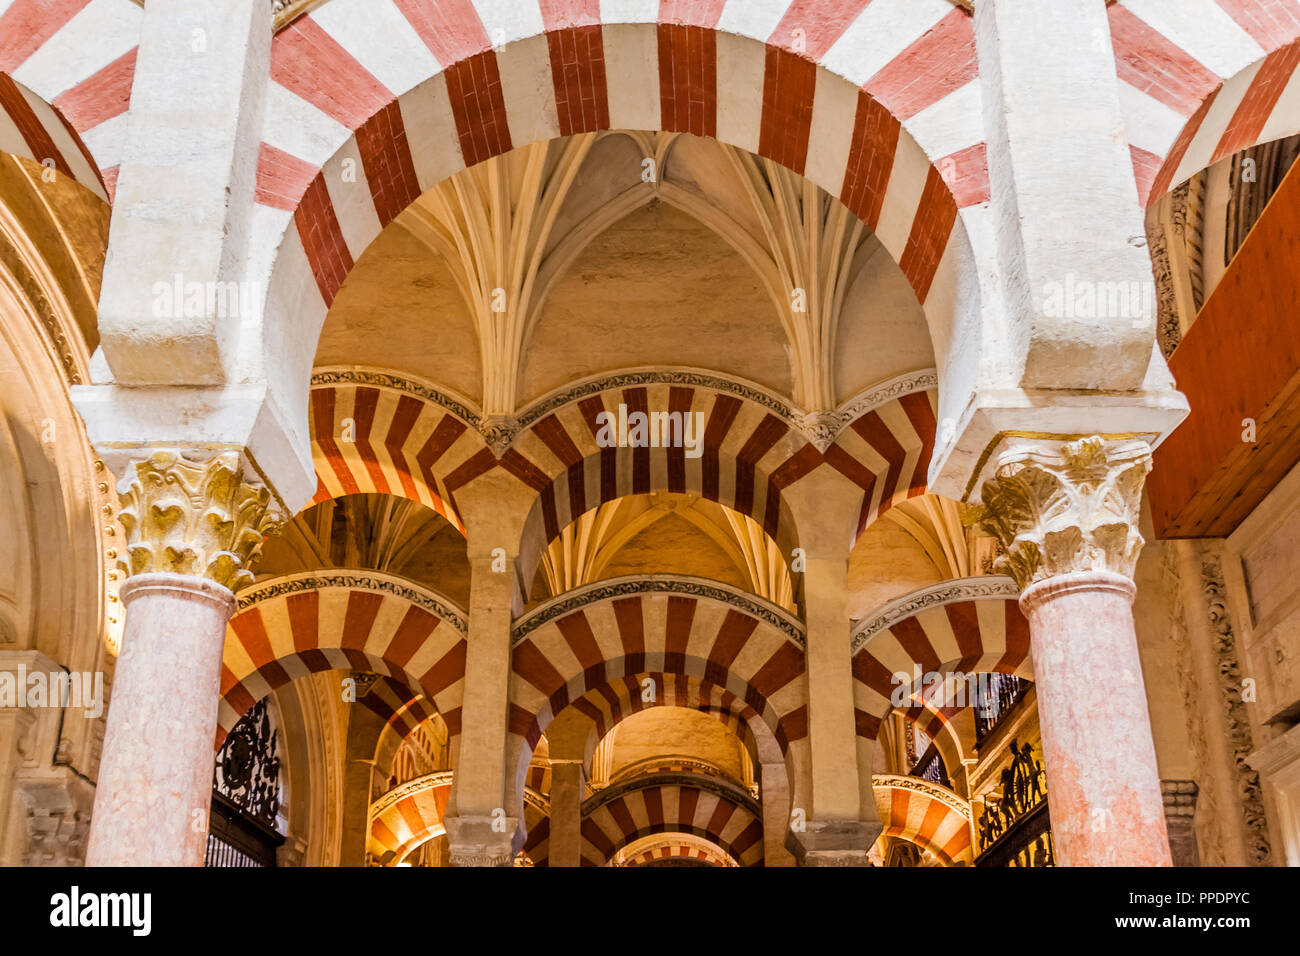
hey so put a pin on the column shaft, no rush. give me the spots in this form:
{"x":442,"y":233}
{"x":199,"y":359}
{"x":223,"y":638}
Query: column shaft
{"x":479,"y":831}
{"x":831,"y":731}
{"x":1103,"y":785}
{"x":566,"y":813}
{"x":155,"y":777}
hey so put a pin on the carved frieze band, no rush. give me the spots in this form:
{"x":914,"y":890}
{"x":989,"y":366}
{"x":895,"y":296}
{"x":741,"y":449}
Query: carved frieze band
{"x":1238,"y":720}
{"x":985,"y":587}
{"x":357,"y":581}
{"x":583,"y":597}
{"x":918,"y":785}
{"x":500,"y":431}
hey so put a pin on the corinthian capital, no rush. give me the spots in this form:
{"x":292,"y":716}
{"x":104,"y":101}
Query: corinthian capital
{"x":199,"y":517}
{"x":1066,"y":506}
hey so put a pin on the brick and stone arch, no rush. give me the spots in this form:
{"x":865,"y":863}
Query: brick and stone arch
{"x":660,"y":849}
{"x":1204,"y":86}
{"x":609,"y":704}
{"x":904,"y":156}
{"x":936,"y":721}
{"x":403,"y":709}
{"x":926,"y":814}
{"x":65,"y":83}
{"x":715,"y":810}
{"x":972,"y":626}
{"x":597,"y":635}
{"x":408,"y":816}
{"x":754,"y":447}
{"x":373,"y":431}
{"x":343,"y":620}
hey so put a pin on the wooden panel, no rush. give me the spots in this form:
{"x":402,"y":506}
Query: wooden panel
{"x":1239,"y":361}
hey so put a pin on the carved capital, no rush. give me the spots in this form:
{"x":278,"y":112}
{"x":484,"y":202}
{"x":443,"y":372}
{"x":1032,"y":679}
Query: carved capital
{"x":198,"y":517}
{"x":1062,"y":507}
{"x":481,"y":840}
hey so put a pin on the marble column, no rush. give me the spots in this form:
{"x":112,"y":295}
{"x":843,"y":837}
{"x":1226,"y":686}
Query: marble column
{"x":192,"y":528}
{"x":1066,"y":514}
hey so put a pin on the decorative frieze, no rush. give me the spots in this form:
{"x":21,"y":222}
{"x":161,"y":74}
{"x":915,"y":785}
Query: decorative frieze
{"x":579,"y":598}
{"x":983,"y":587}
{"x":1068,"y":506}
{"x":377,"y":581}
{"x":194,"y":516}
{"x":1234,"y":706}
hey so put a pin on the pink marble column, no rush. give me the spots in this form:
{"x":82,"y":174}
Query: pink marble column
{"x":155,"y":776}
{"x":1102,"y":782}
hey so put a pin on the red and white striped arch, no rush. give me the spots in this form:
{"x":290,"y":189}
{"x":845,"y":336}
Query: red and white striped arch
{"x":714,"y":813}
{"x":539,"y":778}
{"x":662,"y":848}
{"x":950,"y":632}
{"x":66,"y":68}
{"x":1201,"y":80}
{"x":378,"y":433}
{"x":616,"y":700}
{"x":602,"y":633}
{"x":372,"y":102}
{"x":931,"y":816}
{"x":408,"y":816}
{"x":300,"y":624}
{"x":403,"y":711}
{"x":886,"y":452}
{"x":750,"y":452}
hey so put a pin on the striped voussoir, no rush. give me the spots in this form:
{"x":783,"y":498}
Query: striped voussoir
{"x":1203,"y":80}
{"x":66,"y":68}
{"x":403,"y":710}
{"x":747,"y":449}
{"x":886,"y":452}
{"x":628,"y":627}
{"x":342,"y":620}
{"x":378,"y":433}
{"x":617,"y":699}
{"x":675,"y":846}
{"x":957,"y":635}
{"x":877,"y":103}
{"x":539,"y":777}
{"x":751,"y":451}
{"x":926,"y":814}
{"x":408,"y":816}
{"x":953,"y":740}
{"x":714,"y":810}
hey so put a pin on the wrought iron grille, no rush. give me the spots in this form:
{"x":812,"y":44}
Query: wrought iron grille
{"x":1015,"y":827}
{"x":246,"y":795}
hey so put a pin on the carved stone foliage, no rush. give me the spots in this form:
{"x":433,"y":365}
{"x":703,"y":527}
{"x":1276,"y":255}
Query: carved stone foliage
{"x":1240,"y":737}
{"x":194,"y":517}
{"x":1067,"y":506}
{"x":776,"y":617}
